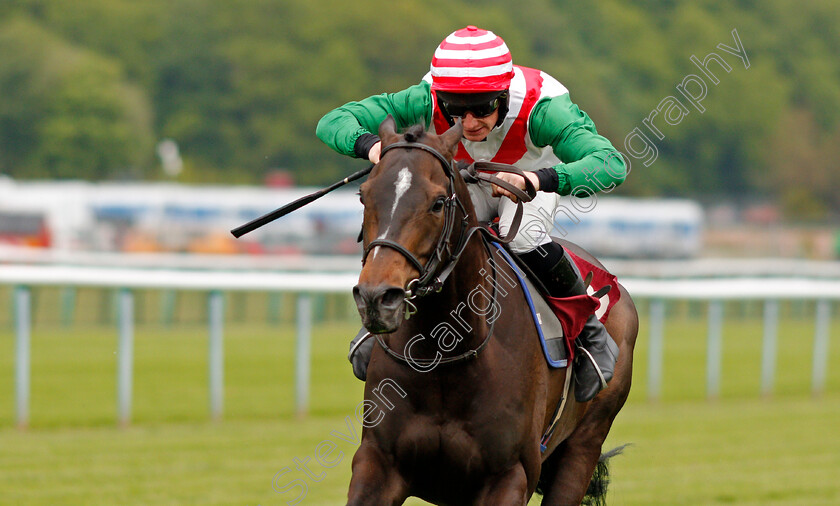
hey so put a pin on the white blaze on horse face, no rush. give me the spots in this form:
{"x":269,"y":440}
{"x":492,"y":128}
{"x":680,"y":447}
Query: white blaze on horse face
{"x":402,"y":184}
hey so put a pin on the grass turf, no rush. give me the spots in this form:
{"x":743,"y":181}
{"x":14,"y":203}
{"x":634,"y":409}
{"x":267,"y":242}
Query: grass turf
{"x":740,"y":449}
{"x":741,"y":452}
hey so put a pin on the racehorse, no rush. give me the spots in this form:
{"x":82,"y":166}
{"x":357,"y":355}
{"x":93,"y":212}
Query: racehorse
{"x":458,"y":353}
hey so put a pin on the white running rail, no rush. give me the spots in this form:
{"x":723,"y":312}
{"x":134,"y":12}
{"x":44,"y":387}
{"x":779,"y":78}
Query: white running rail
{"x":712,"y":290}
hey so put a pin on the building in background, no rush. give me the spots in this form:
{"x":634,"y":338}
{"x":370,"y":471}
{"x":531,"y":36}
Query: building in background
{"x":167,"y":217}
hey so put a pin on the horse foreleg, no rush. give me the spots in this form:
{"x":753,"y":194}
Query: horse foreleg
{"x":374,"y":481}
{"x":509,"y":488}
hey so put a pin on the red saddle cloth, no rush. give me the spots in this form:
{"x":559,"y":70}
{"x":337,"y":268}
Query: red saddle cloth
{"x":574,"y":311}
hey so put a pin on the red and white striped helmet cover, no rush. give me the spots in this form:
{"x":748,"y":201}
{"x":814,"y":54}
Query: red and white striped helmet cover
{"x":472,"y":60}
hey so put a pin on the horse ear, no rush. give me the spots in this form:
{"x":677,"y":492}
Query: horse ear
{"x":452,"y":137}
{"x":388,"y":131}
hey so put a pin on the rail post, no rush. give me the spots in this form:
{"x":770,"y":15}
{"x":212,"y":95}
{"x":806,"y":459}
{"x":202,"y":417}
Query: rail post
{"x":215,"y":361}
{"x":655,"y":352}
{"x":303,"y":351}
{"x":23,"y":339}
{"x":125,"y":356}
{"x":820,"y":359}
{"x":714,"y":349}
{"x":769,"y":346}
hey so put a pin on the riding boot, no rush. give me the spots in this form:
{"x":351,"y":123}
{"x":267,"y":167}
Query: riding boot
{"x":361,"y":348}
{"x":596,"y":351}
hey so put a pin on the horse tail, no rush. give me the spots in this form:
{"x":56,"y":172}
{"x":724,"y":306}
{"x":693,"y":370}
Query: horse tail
{"x":596,"y":494}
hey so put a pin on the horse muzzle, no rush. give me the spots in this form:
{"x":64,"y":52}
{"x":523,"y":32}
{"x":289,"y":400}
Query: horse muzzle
{"x":381,"y":307}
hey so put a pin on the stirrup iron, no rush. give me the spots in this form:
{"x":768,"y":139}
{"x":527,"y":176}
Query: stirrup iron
{"x":594,"y":364}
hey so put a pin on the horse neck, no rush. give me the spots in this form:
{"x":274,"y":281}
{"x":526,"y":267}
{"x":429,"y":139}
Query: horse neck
{"x":472,"y":274}
{"x":468,"y":289}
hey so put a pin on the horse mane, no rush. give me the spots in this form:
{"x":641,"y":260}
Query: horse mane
{"x":415,"y":133}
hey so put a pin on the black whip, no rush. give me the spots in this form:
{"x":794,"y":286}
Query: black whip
{"x":297,"y":204}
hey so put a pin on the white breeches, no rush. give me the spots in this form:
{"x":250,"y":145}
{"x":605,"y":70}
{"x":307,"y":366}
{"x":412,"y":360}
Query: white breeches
{"x":537,"y":215}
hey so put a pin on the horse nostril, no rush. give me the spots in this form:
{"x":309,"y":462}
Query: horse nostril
{"x":378,"y":298}
{"x":392,"y":297}
{"x":361,"y":296}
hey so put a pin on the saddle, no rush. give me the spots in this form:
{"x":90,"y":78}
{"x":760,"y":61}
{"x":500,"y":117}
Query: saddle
{"x":560,"y":320}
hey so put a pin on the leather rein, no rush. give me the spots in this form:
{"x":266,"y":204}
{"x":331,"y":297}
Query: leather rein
{"x":444,"y":257}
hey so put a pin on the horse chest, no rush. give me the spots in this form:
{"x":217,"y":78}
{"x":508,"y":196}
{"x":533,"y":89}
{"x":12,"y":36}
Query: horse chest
{"x":481,"y":430}
{"x":454,"y":450}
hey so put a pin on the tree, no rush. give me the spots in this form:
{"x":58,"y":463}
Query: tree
{"x":67,"y":112}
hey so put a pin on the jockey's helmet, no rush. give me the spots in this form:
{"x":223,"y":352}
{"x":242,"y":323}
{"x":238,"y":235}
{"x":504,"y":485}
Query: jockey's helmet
{"x":472,"y":60}
{"x":471,"y":71}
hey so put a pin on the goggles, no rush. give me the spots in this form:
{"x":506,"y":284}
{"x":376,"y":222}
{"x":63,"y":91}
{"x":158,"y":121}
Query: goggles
{"x":481,"y":105}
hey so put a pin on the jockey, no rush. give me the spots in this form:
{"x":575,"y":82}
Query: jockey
{"x":513,"y":115}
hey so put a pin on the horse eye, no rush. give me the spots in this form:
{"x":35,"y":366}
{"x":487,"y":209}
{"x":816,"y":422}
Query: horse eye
{"x":438,"y":205}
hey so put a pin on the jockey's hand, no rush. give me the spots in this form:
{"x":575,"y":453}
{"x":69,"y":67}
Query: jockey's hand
{"x":375,"y":150}
{"x":517,"y":181}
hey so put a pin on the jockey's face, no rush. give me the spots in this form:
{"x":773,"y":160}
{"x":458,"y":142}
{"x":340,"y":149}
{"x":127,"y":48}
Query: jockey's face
{"x":479,"y":112}
{"x":476,"y":129}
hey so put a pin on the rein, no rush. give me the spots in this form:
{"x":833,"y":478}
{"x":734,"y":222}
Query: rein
{"x":433,"y":275}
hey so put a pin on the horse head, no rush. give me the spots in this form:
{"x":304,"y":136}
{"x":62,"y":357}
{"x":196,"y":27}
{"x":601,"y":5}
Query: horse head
{"x":410,"y":206}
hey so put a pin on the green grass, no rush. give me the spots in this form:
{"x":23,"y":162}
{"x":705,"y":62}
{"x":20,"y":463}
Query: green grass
{"x":741,"y":452}
{"x":74,"y":374}
{"x":740,"y":449}
{"x":735,"y":451}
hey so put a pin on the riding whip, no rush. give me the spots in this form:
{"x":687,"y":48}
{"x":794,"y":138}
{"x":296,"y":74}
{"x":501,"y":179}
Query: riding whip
{"x":297,"y":204}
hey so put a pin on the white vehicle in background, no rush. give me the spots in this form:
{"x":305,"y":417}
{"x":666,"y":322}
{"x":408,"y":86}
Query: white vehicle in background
{"x":636,"y":228}
{"x":167,"y":217}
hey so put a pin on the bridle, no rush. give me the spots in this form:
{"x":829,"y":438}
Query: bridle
{"x":433,"y":275}
{"x":444,"y":257}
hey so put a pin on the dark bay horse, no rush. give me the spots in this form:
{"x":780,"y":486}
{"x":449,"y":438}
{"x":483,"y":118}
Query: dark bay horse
{"x":464,"y":377}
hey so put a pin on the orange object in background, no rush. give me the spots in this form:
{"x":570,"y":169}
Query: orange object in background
{"x":215,"y":244}
{"x":24,"y":229}
{"x":139,"y":242}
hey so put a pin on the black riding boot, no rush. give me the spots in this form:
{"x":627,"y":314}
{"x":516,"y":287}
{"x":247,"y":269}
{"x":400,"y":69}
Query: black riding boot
{"x":361,"y":347}
{"x":596,"y":351}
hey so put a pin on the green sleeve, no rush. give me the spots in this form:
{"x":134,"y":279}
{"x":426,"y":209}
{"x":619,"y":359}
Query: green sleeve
{"x":340,"y":127}
{"x":590,"y":162}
